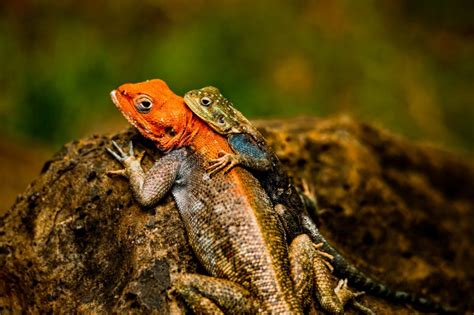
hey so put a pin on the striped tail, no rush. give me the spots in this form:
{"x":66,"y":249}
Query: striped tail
{"x":343,"y":269}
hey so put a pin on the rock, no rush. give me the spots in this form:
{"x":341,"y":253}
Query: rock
{"x":76,"y":241}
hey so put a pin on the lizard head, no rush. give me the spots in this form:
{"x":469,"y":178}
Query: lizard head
{"x":157,"y":113}
{"x":217,"y":111}
{"x":209,"y":104}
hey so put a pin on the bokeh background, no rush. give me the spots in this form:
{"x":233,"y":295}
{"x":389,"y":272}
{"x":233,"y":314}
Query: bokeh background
{"x":405,"y":65}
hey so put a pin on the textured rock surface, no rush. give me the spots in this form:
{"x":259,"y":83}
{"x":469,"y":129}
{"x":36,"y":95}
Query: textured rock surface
{"x":402,"y":212}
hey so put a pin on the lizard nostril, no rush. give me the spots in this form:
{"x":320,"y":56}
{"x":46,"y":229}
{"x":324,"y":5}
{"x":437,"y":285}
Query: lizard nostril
{"x":123,"y":92}
{"x":170,"y":131}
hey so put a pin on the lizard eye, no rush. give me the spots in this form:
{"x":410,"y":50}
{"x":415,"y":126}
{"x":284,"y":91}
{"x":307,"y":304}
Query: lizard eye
{"x":143,"y":104}
{"x":206,"y":101}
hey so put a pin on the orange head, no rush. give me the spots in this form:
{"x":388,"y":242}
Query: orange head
{"x":158,"y":113}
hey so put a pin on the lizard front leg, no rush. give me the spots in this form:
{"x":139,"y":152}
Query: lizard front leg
{"x":226,"y":161}
{"x":247,"y":153}
{"x":148,"y":188}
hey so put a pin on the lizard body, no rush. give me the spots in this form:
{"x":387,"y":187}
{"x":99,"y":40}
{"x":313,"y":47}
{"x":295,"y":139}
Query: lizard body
{"x":251,"y":151}
{"x":231,"y":224}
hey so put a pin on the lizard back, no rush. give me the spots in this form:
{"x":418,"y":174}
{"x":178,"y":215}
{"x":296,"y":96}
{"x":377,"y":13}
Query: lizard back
{"x":234,"y":230}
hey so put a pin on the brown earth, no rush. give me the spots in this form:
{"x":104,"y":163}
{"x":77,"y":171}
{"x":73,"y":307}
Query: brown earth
{"x":19,"y":163}
{"x":76,"y":241}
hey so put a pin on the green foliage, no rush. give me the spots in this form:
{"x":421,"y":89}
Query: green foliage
{"x":407,"y":65}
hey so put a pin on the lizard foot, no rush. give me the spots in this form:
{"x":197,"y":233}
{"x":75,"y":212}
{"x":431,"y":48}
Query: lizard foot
{"x":344,"y":293}
{"x":120,"y":155}
{"x":225,"y":162}
{"x":123,"y":157}
{"x":322,"y":253}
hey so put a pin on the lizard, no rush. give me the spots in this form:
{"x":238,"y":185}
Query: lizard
{"x":251,"y":151}
{"x":230,"y":221}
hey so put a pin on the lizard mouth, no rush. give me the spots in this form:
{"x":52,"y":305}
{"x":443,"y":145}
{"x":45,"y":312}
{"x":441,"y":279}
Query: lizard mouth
{"x":113,"y":96}
{"x":116,"y":101}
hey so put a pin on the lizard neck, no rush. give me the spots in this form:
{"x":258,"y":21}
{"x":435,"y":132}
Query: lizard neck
{"x":203,"y":139}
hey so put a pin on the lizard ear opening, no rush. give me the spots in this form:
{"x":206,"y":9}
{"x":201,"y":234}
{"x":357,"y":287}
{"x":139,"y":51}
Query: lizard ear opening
{"x":221,"y":120}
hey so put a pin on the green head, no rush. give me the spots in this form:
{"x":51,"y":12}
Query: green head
{"x":217,"y":111}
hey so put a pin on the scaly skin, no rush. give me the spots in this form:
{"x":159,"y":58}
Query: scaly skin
{"x":231,"y":224}
{"x":251,"y":151}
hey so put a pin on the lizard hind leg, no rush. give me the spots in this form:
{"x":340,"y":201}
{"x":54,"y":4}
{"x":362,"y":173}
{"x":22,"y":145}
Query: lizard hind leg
{"x":311,"y":273}
{"x":301,"y":256}
{"x":210,"y":295}
{"x":324,"y":287}
{"x":199,"y":304}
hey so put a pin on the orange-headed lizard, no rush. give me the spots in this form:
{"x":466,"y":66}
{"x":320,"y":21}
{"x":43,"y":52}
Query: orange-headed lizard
{"x":231,"y":224}
{"x":251,"y":151}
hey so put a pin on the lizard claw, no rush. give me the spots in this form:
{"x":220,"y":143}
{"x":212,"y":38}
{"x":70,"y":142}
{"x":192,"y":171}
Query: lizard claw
{"x":309,"y":193}
{"x":130,"y":148}
{"x":229,"y":166}
{"x":119,"y":155}
{"x":124,"y":158}
{"x":341,"y":285}
{"x":323,"y":253}
{"x":119,"y":149}
{"x":328,"y":265}
{"x":319,"y":245}
{"x":213,"y":169}
{"x":115,"y":155}
{"x":225,"y":162}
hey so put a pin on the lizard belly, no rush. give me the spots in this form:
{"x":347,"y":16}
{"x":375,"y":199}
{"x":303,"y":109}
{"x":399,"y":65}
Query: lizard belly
{"x":235,"y":232}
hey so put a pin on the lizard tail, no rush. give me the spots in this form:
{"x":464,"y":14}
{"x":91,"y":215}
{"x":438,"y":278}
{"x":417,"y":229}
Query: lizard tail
{"x":343,"y":269}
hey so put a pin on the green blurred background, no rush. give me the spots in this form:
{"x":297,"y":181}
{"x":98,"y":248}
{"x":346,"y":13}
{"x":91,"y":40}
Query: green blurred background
{"x":405,"y":65}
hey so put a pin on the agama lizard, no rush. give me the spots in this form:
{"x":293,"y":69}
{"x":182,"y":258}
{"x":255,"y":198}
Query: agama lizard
{"x":229,"y":219}
{"x":251,"y":151}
